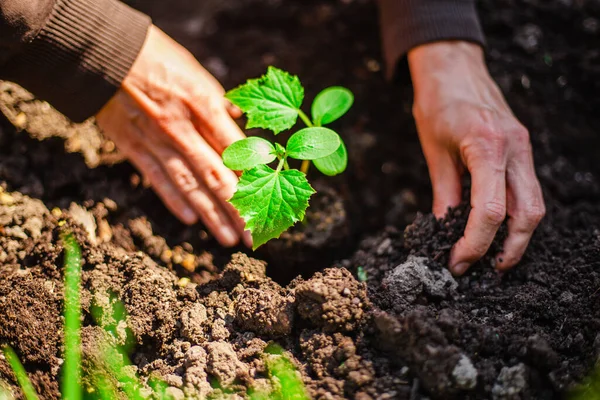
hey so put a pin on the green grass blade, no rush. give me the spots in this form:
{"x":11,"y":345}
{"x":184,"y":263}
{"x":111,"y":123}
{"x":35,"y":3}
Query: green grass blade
{"x":71,"y":373}
{"x":20,"y":373}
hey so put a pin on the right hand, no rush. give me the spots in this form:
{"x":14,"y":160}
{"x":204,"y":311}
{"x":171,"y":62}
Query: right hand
{"x":465,"y":124}
{"x":170,"y":119}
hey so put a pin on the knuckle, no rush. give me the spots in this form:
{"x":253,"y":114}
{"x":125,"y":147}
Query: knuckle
{"x":521,"y":134}
{"x":494,"y":212}
{"x":217,"y":183}
{"x":186,"y":181}
{"x":486,"y":143}
{"x":535,"y":214}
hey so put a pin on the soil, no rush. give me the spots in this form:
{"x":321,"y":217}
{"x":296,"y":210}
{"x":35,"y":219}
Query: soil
{"x":201,"y":316}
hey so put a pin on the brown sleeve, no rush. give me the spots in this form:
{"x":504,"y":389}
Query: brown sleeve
{"x":72,"y":53}
{"x":409,"y":23}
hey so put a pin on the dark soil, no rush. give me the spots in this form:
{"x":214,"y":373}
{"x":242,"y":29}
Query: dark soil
{"x":202,"y":315}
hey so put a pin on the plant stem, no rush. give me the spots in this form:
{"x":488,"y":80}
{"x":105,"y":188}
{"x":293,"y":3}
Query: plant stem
{"x":281,"y":164}
{"x":305,"y":119}
{"x":286,"y":166}
{"x":306,"y":163}
{"x":305,"y":166}
{"x":71,"y":389}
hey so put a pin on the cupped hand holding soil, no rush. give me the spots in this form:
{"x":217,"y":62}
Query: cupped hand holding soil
{"x":464,"y":123}
{"x":171,"y":121}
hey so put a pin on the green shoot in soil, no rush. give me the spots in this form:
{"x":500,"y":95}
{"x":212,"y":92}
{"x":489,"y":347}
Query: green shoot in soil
{"x":71,"y":374}
{"x":285,"y":378}
{"x":361,"y":274}
{"x":114,"y":359}
{"x":20,"y":373}
{"x":272,"y":200}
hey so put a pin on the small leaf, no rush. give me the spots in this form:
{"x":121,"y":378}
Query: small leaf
{"x":248,"y":153}
{"x":312,"y":143}
{"x":335,"y":163}
{"x":331,"y":104}
{"x":270,"y":102}
{"x":271,"y":201}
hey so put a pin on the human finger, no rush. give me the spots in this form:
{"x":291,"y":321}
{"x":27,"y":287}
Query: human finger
{"x":487,"y":165}
{"x":526,"y":207}
{"x":445,"y":182}
{"x":198,"y":195}
{"x":152,"y":171}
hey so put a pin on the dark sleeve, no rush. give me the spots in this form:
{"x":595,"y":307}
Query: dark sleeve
{"x":72,"y":53}
{"x":409,"y":23}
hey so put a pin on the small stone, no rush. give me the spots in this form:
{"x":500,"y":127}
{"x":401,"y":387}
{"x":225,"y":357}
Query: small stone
{"x":465,"y":374}
{"x":6,"y":199}
{"x":20,"y":121}
{"x":411,"y":279}
{"x":183,"y":282}
{"x":511,"y":383}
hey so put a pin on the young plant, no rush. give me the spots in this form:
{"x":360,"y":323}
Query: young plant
{"x":114,"y":359}
{"x":272,"y":200}
{"x":286,"y":381}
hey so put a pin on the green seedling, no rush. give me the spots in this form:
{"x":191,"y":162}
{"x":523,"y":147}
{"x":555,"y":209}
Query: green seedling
{"x":71,"y":373}
{"x":271,"y":200}
{"x":20,"y":373}
{"x":361,"y":274}
{"x":114,"y":359}
{"x":285,"y":378}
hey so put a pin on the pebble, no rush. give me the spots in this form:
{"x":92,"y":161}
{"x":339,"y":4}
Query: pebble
{"x":465,"y":374}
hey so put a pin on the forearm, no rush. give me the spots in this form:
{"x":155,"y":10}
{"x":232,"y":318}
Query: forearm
{"x":72,"y":53}
{"x":406,"y":24}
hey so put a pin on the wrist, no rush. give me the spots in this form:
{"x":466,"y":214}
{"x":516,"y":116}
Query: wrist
{"x":441,"y":62}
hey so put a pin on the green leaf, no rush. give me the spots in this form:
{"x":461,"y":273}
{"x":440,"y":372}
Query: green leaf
{"x":331,"y":104}
{"x":312,"y":143}
{"x":270,"y":102}
{"x":248,"y":153}
{"x":271,"y":201}
{"x":335,"y":163}
{"x":20,"y":373}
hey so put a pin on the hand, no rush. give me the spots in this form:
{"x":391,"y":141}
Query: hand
{"x":170,"y":119}
{"x":464,"y":123}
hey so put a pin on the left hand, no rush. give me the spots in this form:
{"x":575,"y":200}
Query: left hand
{"x":464,"y":123}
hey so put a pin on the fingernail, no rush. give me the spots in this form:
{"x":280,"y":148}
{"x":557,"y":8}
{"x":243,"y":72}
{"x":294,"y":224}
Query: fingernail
{"x":228,"y":236}
{"x":189,"y":216}
{"x":248,"y":239}
{"x":459,"y":268}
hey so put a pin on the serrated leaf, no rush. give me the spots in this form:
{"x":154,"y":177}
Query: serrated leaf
{"x":271,"y":201}
{"x":270,"y":102}
{"x":312,"y":143}
{"x":248,"y":153}
{"x":335,"y":163}
{"x":331,"y":104}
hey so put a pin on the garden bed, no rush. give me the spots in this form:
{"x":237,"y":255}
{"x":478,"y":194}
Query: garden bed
{"x":202,"y":316}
